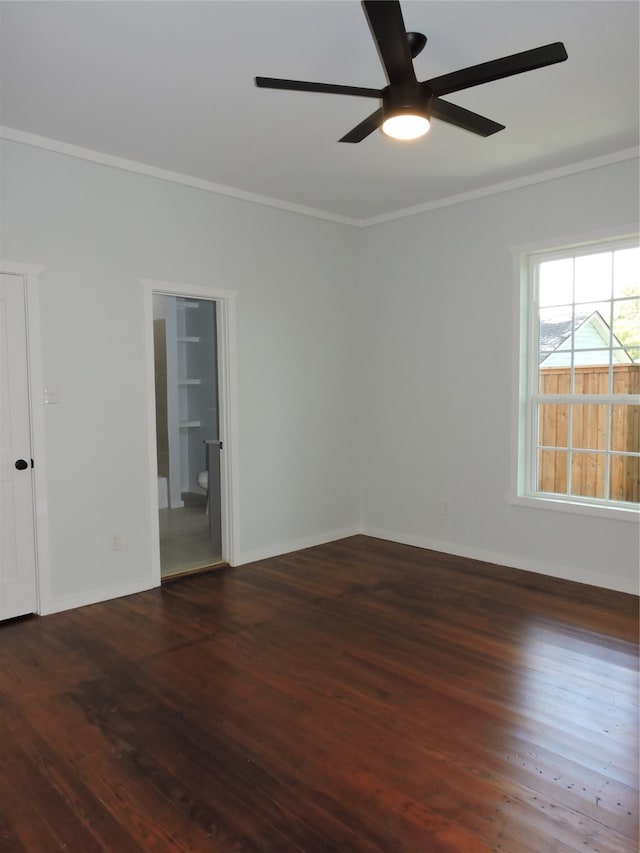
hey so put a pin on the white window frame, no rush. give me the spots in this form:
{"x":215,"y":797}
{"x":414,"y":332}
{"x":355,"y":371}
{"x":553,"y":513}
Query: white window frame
{"x":523,"y":489}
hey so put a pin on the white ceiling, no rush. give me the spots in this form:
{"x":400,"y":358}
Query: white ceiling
{"x":170,"y":84}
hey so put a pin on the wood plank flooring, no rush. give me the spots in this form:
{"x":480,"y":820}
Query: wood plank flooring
{"x":357,"y":696}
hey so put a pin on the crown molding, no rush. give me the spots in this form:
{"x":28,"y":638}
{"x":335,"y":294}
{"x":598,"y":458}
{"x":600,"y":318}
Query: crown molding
{"x":103,"y":159}
{"x":506,"y":186}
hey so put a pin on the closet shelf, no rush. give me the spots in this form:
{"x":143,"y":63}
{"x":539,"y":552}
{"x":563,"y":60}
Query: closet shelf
{"x":188,"y":339}
{"x":190,"y":382}
{"x":189,"y":424}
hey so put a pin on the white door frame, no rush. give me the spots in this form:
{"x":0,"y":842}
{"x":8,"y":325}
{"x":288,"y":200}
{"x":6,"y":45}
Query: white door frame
{"x":30,"y":274}
{"x":226,"y":335}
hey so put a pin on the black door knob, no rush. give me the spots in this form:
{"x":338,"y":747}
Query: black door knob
{"x":21,"y":464}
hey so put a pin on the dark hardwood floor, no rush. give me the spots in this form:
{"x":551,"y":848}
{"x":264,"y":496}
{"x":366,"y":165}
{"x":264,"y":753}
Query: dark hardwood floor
{"x":357,"y":696}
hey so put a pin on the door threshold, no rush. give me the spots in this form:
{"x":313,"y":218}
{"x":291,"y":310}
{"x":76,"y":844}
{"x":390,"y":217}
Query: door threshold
{"x":200,"y":570}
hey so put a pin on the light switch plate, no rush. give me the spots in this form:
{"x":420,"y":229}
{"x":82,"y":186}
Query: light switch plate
{"x":52,"y":395}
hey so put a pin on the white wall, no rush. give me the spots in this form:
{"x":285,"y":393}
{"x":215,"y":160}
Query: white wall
{"x":436,"y":298}
{"x":97,"y":231}
{"x":347,"y":341}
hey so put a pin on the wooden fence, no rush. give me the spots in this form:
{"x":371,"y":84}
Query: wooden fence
{"x":589,"y":432}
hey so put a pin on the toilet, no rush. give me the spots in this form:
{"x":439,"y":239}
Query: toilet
{"x":203,"y":481}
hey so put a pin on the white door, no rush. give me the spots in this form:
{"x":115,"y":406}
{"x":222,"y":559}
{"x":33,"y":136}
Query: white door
{"x":17,"y":532}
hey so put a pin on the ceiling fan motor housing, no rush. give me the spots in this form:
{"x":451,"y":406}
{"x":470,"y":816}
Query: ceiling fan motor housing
{"x":401,"y":98}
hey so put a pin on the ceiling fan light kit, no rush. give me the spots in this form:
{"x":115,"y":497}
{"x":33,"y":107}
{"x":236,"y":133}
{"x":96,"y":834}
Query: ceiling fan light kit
{"x":405,"y":112}
{"x":406,"y":105}
{"x":405,"y":126}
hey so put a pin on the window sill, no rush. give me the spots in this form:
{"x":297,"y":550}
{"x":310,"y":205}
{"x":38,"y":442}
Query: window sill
{"x":619,"y":513}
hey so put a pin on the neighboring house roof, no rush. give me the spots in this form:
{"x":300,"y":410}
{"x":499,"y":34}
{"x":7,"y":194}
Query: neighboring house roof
{"x":556,"y":331}
{"x":589,"y":331}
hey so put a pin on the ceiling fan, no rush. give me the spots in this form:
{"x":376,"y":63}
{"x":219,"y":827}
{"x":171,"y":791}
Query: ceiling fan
{"x":406,"y":104}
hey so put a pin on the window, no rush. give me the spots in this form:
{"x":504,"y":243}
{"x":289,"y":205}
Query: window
{"x":581,"y":414}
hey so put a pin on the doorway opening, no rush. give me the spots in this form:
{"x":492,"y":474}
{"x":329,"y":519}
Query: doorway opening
{"x":189,"y":423}
{"x":187,"y":433}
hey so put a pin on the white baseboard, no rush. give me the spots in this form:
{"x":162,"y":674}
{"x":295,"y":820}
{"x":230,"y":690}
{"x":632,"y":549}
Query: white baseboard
{"x":56,"y":605}
{"x":297,"y":545}
{"x":509,"y":560}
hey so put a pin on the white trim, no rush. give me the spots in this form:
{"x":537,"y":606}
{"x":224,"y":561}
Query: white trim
{"x":615,"y":512}
{"x":580,"y":243}
{"x":506,"y":186}
{"x":35,"y":141}
{"x":519,"y":331}
{"x":104,"y":159}
{"x":227,"y":396}
{"x":297,"y":545}
{"x":525,"y":318}
{"x":498,"y":558}
{"x":225,"y":302}
{"x":30,"y":274}
{"x":96,"y":596}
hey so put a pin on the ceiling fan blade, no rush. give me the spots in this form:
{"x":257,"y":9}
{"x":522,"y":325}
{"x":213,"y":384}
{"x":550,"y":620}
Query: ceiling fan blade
{"x":304,"y":86}
{"x":496,"y":69}
{"x":453,"y":114}
{"x":389,"y":33}
{"x":365,"y":127}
